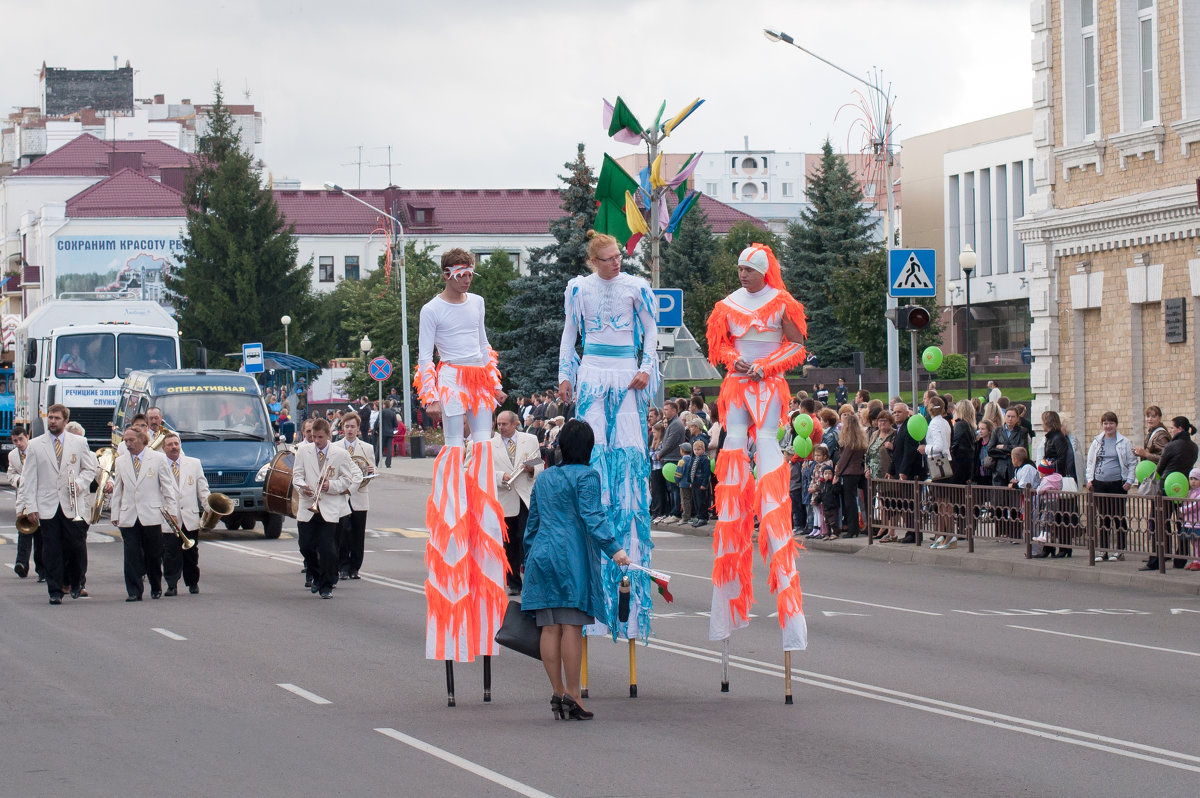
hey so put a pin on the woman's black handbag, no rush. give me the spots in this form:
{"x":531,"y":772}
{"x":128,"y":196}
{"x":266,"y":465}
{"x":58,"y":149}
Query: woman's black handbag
{"x":520,"y":632}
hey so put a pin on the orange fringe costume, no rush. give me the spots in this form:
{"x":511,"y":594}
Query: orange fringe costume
{"x":764,"y":400}
{"x":465,"y":556}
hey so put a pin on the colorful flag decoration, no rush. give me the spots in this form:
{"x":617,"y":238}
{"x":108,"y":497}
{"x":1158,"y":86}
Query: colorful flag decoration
{"x":622,"y":124}
{"x":673,"y":123}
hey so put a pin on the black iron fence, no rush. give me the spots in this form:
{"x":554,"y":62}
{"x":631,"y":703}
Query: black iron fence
{"x":1117,"y":524}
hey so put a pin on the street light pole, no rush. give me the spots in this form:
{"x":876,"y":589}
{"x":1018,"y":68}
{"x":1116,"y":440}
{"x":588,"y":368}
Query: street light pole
{"x":406,"y":368}
{"x":286,"y":321}
{"x":882,"y":145}
{"x":966,"y":261}
{"x":365,"y":346}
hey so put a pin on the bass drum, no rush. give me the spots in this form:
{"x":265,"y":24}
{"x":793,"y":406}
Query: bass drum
{"x":279,"y":495}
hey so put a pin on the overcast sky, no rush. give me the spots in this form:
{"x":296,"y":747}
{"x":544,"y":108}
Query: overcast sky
{"x":496,"y":93}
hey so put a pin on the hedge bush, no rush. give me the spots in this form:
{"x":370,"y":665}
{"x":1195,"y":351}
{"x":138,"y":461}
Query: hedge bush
{"x":954,"y":367}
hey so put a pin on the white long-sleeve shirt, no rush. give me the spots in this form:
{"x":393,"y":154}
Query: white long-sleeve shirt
{"x":616,"y":312}
{"x":456,"y":330}
{"x":937,"y":439}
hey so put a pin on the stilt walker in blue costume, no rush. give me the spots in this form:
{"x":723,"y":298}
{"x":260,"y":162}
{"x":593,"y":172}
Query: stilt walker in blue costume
{"x":614,"y":315}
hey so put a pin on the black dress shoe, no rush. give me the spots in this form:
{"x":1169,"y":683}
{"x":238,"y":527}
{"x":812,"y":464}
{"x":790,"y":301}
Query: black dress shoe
{"x":574,"y":711}
{"x":314,"y":587}
{"x":193,"y":589}
{"x":172,"y":592}
{"x":308,"y":581}
{"x":327,"y":593}
{"x":133,"y":598}
{"x":156,"y":594}
{"x":355,"y":575}
{"x":41,"y":579}
{"x":1148,"y":568}
{"x":56,"y":599}
{"x":909,"y":538}
{"x":75,"y":592}
{"x":22,"y":569}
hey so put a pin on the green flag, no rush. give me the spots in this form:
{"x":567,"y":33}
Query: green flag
{"x":614,"y":182}
{"x":623,"y":117}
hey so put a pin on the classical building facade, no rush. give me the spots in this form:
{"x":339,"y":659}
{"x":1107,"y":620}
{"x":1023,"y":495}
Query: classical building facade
{"x":1112,"y":232}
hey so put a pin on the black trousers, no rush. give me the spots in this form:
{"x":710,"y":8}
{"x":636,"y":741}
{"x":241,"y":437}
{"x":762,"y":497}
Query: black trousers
{"x":659,"y":504}
{"x":851,"y":484}
{"x":389,"y":442}
{"x":514,"y":547}
{"x":62,"y":540}
{"x":319,"y":547}
{"x":75,"y":559}
{"x":143,"y":556}
{"x":352,"y":539}
{"x":27,"y":544}
{"x":799,"y":511}
{"x":176,"y":560}
{"x":1110,"y":508}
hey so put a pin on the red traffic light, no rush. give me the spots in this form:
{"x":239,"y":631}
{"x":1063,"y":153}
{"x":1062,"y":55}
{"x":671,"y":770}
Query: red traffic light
{"x":911,"y":317}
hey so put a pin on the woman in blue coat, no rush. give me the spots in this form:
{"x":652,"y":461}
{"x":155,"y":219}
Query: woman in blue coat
{"x":564,"y":536}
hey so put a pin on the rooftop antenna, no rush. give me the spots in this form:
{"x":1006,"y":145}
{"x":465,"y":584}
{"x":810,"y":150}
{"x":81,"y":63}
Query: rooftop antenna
{"x":114,"y":63}
{"x":388,"y":164}
{"x":358,"y":163}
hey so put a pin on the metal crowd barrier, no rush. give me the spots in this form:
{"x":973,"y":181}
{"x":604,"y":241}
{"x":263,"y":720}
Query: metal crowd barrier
{"x":1126,"y":524}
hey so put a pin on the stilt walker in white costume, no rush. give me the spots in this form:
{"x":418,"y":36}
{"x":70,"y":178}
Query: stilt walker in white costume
{"x":614,"y":315}
{"x":465,"y":558}
{"x":757,"y":333}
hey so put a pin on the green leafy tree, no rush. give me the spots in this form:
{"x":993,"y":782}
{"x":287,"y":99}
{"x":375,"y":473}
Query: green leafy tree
{"x":493,"y":281}
{"x":834,"y":234}
{"x":529,"y":351}
{"x":238,"y":270}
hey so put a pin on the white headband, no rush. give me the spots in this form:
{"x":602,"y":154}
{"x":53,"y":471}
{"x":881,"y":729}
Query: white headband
{"x":755,"y":258}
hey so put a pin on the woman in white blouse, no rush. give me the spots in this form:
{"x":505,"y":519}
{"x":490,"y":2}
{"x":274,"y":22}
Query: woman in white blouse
{"x":937,"y":445}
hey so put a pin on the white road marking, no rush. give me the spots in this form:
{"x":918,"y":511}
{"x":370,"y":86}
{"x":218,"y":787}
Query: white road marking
{"x":465,"y":764}
{"x":167,"y":633}
{"x":387,"y":581}
{"x":300,"y":691}
{"x":982,"y":717}
{"x":1107,"y":640}
{"x":830,"y":614}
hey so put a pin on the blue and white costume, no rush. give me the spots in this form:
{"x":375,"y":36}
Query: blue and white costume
{"x":615,"y":319}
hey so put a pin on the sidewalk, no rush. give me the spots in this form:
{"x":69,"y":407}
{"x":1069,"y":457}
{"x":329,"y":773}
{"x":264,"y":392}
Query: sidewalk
{"x":989,"y":557}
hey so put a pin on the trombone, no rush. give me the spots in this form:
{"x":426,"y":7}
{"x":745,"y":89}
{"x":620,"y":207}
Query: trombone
{"x":184,"y":540}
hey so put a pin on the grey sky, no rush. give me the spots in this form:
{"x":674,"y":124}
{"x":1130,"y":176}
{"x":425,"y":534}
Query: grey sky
{"x":496,"y":94}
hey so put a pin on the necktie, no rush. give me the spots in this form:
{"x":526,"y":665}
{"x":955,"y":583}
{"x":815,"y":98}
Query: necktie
{"x":58,"y":450}
{"x":22,"y":458}
{"x":320,"y":459}
{"x":511,"y":445}
{"x":137,"y":465}
{"x":175,"y":469}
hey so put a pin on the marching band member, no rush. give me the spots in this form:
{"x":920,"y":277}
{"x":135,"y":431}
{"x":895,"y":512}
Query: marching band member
{"x":57,"y":474}
{"x":757,"y":333}
{"x":188,"y":473}
{"x":354,"y":526}
{"x":143,"y":491}
{"x":25,"y":543}
{"x":512,"y":452}
{"x":325,"y":475}
{"x":75,"y":558}
{"x":465,"y":553}
{"x":154,"y":421}
{"x":302,"y":527}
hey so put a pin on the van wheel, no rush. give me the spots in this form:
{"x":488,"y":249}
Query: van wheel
{"x":248,"y":522}
{"x":232,"y":522}
{"x":272,"y":526}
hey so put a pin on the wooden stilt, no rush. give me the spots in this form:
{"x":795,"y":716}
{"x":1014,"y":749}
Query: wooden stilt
{"x":449,"y":683}
{"x":787,"y":677}
{"x":487,"y":678}
{"x":725,"y":665}
{"x":583,"y":691}
{"x":632,"y":670}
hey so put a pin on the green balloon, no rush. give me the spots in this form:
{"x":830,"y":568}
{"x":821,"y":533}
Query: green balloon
{"x":1145,"y":470}
{"x":713,"y":465}
{"x":802,"y":447}
{"x":917,"y":427}
{"x":932,"y":358}
{"x":803,"y":425}
{"x":780,"y":433}
{"x":669,"y":472}
{"x":1176,"y":485}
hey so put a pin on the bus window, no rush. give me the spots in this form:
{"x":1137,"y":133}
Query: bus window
{"x":138,"y":351}
{"x":85,"y":355}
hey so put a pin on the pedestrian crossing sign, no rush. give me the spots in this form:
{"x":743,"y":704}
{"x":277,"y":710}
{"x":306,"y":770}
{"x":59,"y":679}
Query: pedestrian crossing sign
{"x":912,"y":273}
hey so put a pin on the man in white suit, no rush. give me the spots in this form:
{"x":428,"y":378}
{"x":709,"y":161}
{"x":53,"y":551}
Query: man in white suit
{"x":513,"y":452}
{"x":324,"y":473}
{"x":26,"y":544}
{"x":188,"y":473}
{"x":54,"y":461}
{"x":353,"y":527}
{"x":143,"y":489}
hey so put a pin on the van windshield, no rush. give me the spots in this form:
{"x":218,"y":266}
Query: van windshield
{"x":85,"y":355}
{"x":220,"y":415}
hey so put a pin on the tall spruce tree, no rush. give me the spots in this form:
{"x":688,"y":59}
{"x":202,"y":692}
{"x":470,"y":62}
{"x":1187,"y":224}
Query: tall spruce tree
{"x":834,"y":234}
{"x":239,"y":272}
{"x":687,"y":262}
{"x":529,"y":352}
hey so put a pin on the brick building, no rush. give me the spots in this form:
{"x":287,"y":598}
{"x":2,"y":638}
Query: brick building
{"x":1112,"y":233}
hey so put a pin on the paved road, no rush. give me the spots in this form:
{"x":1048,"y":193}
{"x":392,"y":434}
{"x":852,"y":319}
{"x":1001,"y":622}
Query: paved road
{"x":918,"y":681}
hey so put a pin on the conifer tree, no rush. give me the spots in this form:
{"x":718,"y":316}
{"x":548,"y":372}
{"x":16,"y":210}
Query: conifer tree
{"x":239,"y":272}
{"x":529,"y":352}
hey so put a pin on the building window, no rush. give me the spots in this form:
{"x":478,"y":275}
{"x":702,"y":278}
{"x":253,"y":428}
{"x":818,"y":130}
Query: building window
{"x":325,"y":266}
{"x":1147,"y":59}
{"x":1087,"y":16}
{"x":351,"y":267}
{"x":750,"y":191}
{"x":710,"y":189}
{"x":1080,"y":79}
{"x":869,"y":190}
{"x":785,"y":190}
{"x":749,"y":165}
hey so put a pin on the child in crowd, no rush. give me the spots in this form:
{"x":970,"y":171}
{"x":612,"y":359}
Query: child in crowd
{"x":699,"y":476}
{"x":1191,"y":518}
{"x":796,"y":487}
{"x":683,"y":478}
{"x":820,"y":457}
{"x":1025,"y":476}
{"x":1047,"y":504}
{"x":831,"y":496}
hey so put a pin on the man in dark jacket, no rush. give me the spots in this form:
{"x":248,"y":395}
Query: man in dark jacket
{"x":388,"y":422}
{"x":674,"y":437}
{"x":907,"y":461}
{"x":841,"y":393}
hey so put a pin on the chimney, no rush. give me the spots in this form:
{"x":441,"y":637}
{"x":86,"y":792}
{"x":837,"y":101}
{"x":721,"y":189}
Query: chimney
{"x":185,"y":101}
{"x":747,"y":140}
{"x":174,"y":177}
{"x":159,"y":99}
{"x":120,"y":159}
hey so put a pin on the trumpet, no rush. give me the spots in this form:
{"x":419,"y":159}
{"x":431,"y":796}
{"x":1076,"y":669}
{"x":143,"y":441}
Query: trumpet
{"x":26,"y":525}
{"x":74,"y":490}
{"x":184,"y":540}
{"x":106,"y":457}
{"x":218,"y":506}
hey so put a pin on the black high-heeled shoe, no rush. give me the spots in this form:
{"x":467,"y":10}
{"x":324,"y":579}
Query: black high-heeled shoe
{"x":556,"y":707}
{"x":574,"y":711}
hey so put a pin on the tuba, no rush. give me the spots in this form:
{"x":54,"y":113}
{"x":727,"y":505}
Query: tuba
{"x":106,"y":457}
{"x":218,"y":506}
{"x":157,"y":442}
{"x":26,"y":525}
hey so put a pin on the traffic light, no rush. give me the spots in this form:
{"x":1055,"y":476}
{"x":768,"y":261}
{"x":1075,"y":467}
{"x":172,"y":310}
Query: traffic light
{"x":911,"y":317}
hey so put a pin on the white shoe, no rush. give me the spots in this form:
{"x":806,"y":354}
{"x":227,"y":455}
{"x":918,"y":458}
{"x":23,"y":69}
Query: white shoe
{"x":952,"y":543}
{"x":672,"y":519}
{"x":1117,"y":556}
{"x":937,"y":543}
{"x":1101,"y":557}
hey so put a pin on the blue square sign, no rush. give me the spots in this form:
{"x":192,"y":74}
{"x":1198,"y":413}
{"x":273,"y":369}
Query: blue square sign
{"x":912,"y":273}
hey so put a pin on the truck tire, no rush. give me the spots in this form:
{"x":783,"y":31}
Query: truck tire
{"x":248,"y":521}
{"x":232,"y":522}
{"x":272,"y":526}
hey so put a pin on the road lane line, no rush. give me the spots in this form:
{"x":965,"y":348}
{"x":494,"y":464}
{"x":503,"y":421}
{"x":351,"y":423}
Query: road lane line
{"x":1107,"y":640}
{"x":944,"y":708}
{"x":377,"y":579}
{"x":465,"y":764}
{"x":826,"y":598}
{"x":167,"y":633}
{"x":300,"y":691}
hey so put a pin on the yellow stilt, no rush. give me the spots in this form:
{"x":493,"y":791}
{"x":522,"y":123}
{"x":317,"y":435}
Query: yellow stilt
{"x":583,"y":693}
{"x":632,"y":670}
{"x":787,"y":677}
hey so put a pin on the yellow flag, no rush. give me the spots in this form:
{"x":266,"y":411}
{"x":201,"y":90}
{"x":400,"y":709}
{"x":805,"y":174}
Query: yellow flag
{"x":674,"y":121}
{"x":656,"y":180}
{"x":633,"y":216}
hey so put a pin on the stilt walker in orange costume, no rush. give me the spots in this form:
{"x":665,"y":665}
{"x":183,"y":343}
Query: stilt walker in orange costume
{"x":757,"y":333}
{"x":465,"y":556}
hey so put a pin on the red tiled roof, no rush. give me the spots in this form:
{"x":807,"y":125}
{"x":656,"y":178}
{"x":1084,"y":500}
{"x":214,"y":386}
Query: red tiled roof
{"x":88,"y":155}
{"x":454,"y":211}
{"x":127,"y":194}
